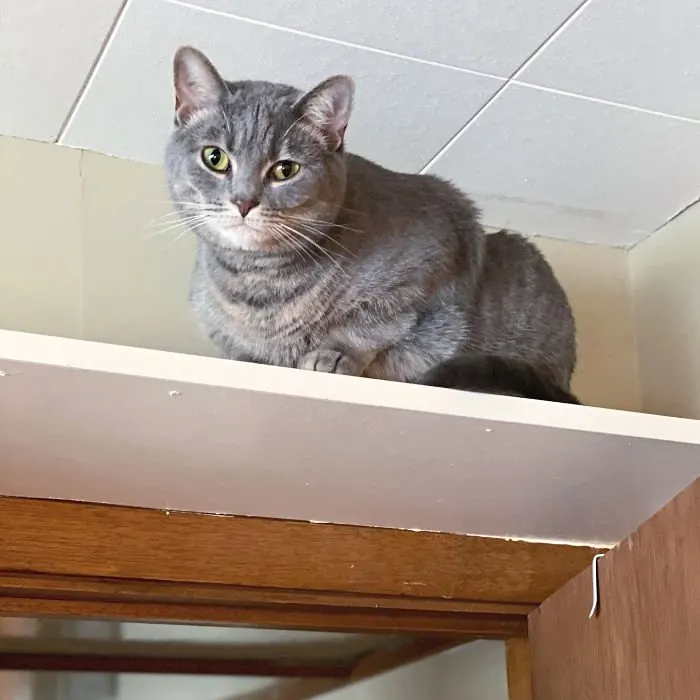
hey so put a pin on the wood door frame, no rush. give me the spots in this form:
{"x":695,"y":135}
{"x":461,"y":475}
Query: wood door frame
{"x":84,"y":560}
{"x":90,"y":560}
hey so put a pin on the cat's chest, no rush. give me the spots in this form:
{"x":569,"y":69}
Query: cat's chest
{"x":269,"y":321}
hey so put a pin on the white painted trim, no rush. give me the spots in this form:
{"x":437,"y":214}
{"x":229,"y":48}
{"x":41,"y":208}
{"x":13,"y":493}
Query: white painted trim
{"x":97,"y":422}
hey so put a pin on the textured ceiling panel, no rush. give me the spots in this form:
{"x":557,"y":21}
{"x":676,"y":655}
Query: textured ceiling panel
{"x":405,"y":111}
{"x":493,"y":37}
{"x":560,"y":161}
{"x":567,"y":167}
{"x":46,"y":51}
{"x":644,"y":54}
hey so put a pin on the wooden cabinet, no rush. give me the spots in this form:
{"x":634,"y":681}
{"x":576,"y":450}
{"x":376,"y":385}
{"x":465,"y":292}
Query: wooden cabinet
{"x":109,"y":562}
{"x":644,"y":643}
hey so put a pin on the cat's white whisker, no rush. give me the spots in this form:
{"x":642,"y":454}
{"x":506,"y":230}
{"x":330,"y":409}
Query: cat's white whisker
{"x":342,"y":208}
{"x":291,"y":126}
{"x":226,"y":119}
{"x":183,"y":202}
{"x":320,"y":248}
{"x":296,"y":245}
{"x":183,"y":219}
{"x":185,"y":224}
{"x":314,"y":230}
{"x":331,"y":224}
{"x":180,"y":217}
{"x":302,"y":248}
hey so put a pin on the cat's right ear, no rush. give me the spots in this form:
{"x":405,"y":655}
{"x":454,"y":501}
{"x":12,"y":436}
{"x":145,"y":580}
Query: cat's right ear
{"x":198,"y":85}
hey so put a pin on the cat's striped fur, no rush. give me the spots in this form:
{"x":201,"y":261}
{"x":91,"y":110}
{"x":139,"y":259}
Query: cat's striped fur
{"x":347,"y":267}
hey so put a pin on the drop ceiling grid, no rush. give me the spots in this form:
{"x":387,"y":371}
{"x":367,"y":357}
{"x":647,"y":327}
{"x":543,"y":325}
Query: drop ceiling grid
{"x":493,"y":38}
{"x":606,"y":68}
{"x":126,"y":109}
{"x":499,"y":23}
{"x":557,"y":165}
{"x":46,"y":52}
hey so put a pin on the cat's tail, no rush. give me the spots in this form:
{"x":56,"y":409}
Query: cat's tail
{"x":493,"y":374}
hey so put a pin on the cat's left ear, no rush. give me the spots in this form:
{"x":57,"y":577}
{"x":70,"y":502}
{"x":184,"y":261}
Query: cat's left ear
{"x":327,"y":109}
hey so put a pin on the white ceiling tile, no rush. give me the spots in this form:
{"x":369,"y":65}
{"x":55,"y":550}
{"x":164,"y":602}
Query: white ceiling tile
{"x":493,"y":37}
{"x":638,"y":52}
{"x":568,"y":167}
{"x":404,"y":113}
{"x":46,"y":51}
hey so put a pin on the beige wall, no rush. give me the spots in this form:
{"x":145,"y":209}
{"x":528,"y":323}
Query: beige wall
{"x":16,"y":685}
{"x":665,"y":277}
{"x":596,"y":281}
{"x":88,"y":250}
{"x":476,"y":671}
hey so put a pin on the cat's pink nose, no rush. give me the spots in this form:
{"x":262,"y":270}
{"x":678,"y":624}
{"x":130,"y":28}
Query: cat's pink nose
{"x":246,"y":205}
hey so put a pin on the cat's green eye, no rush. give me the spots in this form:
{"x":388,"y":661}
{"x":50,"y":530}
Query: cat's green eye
{"x":284,"y":170}
{"x":215,"y":159}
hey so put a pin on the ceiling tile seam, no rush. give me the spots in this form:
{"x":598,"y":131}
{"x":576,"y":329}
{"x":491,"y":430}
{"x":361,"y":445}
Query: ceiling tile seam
{"x":455,"y":137}
{"x":92,"y":72}
{"x":611,"y":103}
{"x":330,"y":40}
{"x":671,"y":218}
{"x":558,"y":30}
{"x":585,"y":4}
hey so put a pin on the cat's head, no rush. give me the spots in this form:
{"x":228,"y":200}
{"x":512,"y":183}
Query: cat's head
{"x":255,"y":165}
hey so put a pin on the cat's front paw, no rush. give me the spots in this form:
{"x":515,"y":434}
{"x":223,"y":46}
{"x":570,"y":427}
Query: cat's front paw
{"x":329,"y":360}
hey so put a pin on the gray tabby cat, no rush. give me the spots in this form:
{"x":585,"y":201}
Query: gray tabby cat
{"x":314,"y":258}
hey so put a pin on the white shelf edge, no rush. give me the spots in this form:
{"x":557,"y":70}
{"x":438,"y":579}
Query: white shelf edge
{"x":181,"y":369}
{"x":93,"y":422}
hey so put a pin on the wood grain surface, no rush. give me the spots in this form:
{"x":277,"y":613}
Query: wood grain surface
{"x":371,"y":665}
{"x":644,"y":644}
{"x":518,"y":669}
{"x":125,"y":663}
{"x":66,"y":558}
